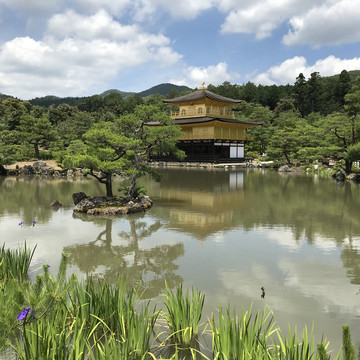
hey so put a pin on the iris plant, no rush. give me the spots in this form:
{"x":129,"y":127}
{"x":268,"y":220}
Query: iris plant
{"x":24,"y":313}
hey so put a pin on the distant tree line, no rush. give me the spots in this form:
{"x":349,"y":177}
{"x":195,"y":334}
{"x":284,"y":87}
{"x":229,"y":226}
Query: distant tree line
{"x":313,"y":119}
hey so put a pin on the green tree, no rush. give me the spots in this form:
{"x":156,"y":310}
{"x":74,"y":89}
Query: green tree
{"x":92,"y":104}
{"x":125,"y":145}
{"x":352,"y":104}
{"x":133,"y":101}
{"x":36,"y":131}
{"x":344,"y":130}
{"x":249,"y":92}
{"x":261,"y":134}
{"x":342,"y":87}
{"x":314,"y":92}
{"x":352,"y":154}
{"x":114,"y":103}
{"x":300,"y":94}
{"x":74,"y":127}
{"x":7,"y":150}
{"x":285,"y":140}
{"x":61,"y":113}
{"x":11,"y":111}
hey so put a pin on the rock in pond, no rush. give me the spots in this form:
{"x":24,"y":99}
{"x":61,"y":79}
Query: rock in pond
{"x":340,"y":176}
{"x":56,"y":204}
{"x":110,"y":205}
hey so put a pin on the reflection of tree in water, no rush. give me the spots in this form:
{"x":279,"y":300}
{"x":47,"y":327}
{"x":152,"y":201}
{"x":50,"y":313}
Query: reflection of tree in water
{"x":150,"y":266}
{"x":29,"y":197}
{"x":351,"y":259}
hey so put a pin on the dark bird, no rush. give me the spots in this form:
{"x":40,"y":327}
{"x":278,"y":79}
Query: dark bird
{"x":262,"y":292}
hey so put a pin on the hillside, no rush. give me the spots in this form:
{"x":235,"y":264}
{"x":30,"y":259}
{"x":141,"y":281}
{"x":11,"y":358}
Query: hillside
{"x":3,"y":96}
{"x":54,"y":100}
{"x":124,"y":94}
{"x":353,"y":74}
{"x":162,"y":89}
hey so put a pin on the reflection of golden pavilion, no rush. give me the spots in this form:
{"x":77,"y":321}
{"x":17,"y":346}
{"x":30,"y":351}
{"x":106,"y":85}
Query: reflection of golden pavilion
{"x":200,"y":207}
{"x":200,"y":219}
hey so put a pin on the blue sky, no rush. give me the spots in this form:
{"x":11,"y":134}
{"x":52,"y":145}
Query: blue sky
{"x":84,"y":47}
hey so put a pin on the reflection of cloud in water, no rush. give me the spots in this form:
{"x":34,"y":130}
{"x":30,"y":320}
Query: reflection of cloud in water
{"x":321,"y":281}
{"x":219,"y":237}
{"x":286,"y":239}
{"x":306,"y":286}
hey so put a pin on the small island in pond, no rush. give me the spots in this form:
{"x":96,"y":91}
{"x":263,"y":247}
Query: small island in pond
{"x":116,"y":205}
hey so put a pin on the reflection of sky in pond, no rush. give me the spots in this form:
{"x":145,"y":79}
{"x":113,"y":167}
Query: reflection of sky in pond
{"x":225,"y":232}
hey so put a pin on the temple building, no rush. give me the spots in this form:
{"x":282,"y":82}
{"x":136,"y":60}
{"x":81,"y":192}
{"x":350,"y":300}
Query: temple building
{"x":211,"y":132}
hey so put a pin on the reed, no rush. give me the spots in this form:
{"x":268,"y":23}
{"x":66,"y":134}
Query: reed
{"x":241,"y":338}
{"x":184,"y":312}
{"x":304,"y":349}
{"x":292,"y":348}
{"x":95,"y":320}
{"x":348,"y":347}
{"x":92,"y":299}
{"x":110,"y":312}
{"x":15,"y":263}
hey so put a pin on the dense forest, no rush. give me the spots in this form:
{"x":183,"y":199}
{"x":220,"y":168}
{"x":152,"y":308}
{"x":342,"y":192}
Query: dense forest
{"x":315,"y":119}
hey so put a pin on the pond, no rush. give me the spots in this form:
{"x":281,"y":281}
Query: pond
{"x":225,"y":232}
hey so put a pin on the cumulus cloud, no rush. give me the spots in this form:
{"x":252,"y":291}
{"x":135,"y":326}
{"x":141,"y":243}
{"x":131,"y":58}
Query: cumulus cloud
{"x":77,"y":55}
{"x":194,"y":76}
{"x":113,"y":7}
{"x":312,"y":22}
{"x":141,"y":9}
{"x":98,"y":26}
{"x":287,"y":71}
{"x":333,"y":23}
{"x":261,"y":17}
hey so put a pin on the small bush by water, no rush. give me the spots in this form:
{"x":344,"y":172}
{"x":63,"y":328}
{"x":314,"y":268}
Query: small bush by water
{"x":64,"y":318}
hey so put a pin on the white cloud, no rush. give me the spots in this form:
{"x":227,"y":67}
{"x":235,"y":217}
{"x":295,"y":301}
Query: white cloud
{"x":194,"y":76}
{"x":312,"y":22}
{"x":98,"y":26}
{"x":261,"y":17}
{"x":78,"y":54}
{"x":142,"y":9}
{"x":188,"y":9}
{"x":333,"y":23}
{"x":111,"y":6}
{"x":287,"y":71}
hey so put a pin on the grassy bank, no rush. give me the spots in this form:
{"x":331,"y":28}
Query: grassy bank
{"x":64,"y":318}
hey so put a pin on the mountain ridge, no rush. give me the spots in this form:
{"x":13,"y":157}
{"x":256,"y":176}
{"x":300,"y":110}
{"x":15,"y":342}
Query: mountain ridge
{"x":161,"y":89}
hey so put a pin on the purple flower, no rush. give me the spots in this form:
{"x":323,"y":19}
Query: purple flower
{"x":21,"y":223}
{"x":33,"y":223}
{"x":24,"y":313}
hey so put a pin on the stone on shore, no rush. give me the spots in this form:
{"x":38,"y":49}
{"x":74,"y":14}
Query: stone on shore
{"x":289,"y":169}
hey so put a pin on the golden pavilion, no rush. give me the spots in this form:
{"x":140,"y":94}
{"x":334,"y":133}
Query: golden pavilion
{"x":211,"y":132}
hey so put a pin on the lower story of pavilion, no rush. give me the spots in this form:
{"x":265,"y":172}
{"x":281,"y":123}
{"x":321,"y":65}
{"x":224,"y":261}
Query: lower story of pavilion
{"x":214,"y":151}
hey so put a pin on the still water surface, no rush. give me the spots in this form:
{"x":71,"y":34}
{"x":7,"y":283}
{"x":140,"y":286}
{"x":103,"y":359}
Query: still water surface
{"x":227,"y":233}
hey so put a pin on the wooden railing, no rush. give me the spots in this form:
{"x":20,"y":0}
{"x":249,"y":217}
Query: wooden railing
{"x":212,"y":113}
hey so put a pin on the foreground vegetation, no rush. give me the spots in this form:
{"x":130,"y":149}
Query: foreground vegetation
{"x":64,"y":318}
